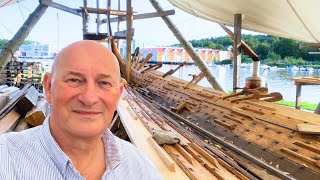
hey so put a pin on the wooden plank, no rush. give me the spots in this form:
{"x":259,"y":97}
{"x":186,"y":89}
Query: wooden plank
{"x":184,"y":153}
{"x":138,"y":135}
{"x":177,"y":159}
{"x":3,"y":101}
{"x":37,"y":114}
{"x":132,"y":113}
{"x":308,"y":128}
{"x":299,"y":156}
{"x":163,"y":155}
{"x":27,"y":102}
{"x":211,"y":159}
{"x":308,"y":146}
{"x":22,"y":125}
{"x":298,"y":96}
{"x":8,"y":122}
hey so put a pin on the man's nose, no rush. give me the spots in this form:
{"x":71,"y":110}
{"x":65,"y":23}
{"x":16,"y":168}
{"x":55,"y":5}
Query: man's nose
{"x":89,"y":94}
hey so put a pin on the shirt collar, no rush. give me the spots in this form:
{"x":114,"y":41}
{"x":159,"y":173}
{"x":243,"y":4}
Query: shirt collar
{"x":112,"y":149}
{"x":53,"y":149}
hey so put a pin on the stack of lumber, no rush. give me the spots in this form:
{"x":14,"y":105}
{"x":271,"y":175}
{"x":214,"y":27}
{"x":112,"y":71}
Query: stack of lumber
{"x":20,"y":74}
{"x":21,"y":109}
{"x":185,"y":159}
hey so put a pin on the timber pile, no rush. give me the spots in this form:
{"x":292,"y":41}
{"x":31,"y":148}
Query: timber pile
{"x":20,"y":74}
{"x":21,"y":109}
{"x":188,"y":155}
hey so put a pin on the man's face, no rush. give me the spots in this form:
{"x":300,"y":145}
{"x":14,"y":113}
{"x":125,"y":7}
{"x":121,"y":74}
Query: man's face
{"x":84,"y":92}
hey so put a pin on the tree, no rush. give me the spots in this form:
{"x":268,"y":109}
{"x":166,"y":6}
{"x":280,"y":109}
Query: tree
{"x":3,"y":43}
{"x":262,"y":50}
{"x":286,"y":47}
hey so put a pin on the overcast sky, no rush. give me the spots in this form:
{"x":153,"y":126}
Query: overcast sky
{"x":59,"y":28}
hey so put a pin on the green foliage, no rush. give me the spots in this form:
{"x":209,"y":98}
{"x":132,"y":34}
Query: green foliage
{"x":312,"y":66}
{"x":246,"y":59}
{"x":269,"y":48}
{"x":294,"y":61}
{"x":26,"y":42}
{"x":263,"y":50}
{"x":227,"y":61}
{"x":30,"y":42}
{"x":304,"y":104}
{"x":3,"y":43}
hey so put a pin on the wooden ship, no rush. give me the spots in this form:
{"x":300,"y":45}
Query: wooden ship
{"x":188,"y":131}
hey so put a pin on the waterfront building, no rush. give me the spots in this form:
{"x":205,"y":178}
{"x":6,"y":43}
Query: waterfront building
{"x":176,"y":55}
{"x":36,"y":51}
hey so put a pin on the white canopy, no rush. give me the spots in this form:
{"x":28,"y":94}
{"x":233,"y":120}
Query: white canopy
{"x":296,"y":19}
{"x":8,"y":2}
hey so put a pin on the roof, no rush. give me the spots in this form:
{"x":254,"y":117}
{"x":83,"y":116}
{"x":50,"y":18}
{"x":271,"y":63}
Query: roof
{"x":296,"y":19}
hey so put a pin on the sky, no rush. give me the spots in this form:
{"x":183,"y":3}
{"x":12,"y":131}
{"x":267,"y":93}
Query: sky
{"x":59,"y":28}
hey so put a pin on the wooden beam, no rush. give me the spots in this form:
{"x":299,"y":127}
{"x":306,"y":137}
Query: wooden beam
{"x":9,"y":121}
{"x":163,"y":155}
{"x":12,"y":46}
{"x":104,"y":11}
{"x":27,"y":102}
{"x":129,"y":40}
{"x":37,"y":114}
{"x":237,"y":51}
{"x":309,"y":46}
{"x":141,"y":16}
{"x":22,"y":125}
{"x":85,"y":16}
{"x":298,"y":95}
{"x":61,"y":7}
{"x":187,"y":46}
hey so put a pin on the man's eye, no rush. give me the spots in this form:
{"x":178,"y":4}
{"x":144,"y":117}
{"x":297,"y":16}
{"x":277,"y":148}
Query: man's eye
{"x":74,"y":82}
{"x":105,"y":84}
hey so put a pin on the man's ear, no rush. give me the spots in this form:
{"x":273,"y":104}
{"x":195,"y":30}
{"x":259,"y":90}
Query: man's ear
{"x":47,"y":86}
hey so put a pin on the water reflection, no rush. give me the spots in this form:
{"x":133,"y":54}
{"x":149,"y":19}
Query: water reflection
{"x":277,"y":79}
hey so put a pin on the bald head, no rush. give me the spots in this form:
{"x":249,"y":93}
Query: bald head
{"x":81,"y":51}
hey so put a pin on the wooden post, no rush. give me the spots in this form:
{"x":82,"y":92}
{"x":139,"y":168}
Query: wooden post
{"x":129,"y":40}
{"x":13,"y":45}
{"x":237,"y":51}
{"x":187,"y":46}
{"x":84,"y":19}
{"x":98,"y":17}
{"x":298,"y":95}
{"x":317,"y":111}
{"x":118,"y":24}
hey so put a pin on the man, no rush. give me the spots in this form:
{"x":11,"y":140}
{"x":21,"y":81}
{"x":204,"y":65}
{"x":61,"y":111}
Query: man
{"x":74,"y":143}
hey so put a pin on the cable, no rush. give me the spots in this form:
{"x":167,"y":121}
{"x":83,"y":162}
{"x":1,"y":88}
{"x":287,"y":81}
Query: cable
{"x":21,"y":11}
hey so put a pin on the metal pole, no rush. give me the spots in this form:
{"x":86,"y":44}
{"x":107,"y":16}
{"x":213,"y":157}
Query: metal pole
{"x":186,"y":45}
{"x":129,"y":39}
{"x":237,"y":51}
{"x":12,"y":46}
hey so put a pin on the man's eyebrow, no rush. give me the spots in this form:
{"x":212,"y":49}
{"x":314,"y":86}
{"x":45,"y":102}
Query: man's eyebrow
{"x":74,"y":73}
{"x":101,"y":75}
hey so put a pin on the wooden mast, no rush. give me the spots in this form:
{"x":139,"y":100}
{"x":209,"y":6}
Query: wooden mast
{"x":186,"y":45}
{"x":12,"y":46}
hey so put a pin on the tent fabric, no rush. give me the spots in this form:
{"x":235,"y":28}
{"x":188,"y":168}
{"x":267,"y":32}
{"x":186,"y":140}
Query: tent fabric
{"x":8,"y":2}
{"x":296,"y":19}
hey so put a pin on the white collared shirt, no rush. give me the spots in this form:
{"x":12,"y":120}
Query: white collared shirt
{"x":34,"y":154}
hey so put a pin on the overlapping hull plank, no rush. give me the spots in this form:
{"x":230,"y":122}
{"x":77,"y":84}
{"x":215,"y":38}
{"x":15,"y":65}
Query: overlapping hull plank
{"x":189,"y":158}
{"x":265,"y":130}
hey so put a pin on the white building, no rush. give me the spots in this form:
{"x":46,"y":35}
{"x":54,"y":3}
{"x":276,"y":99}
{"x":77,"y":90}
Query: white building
{"x":44,"y":51}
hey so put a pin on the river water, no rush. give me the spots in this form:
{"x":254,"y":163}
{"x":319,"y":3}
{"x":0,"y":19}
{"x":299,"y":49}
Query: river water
{"x":278,"y":80}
